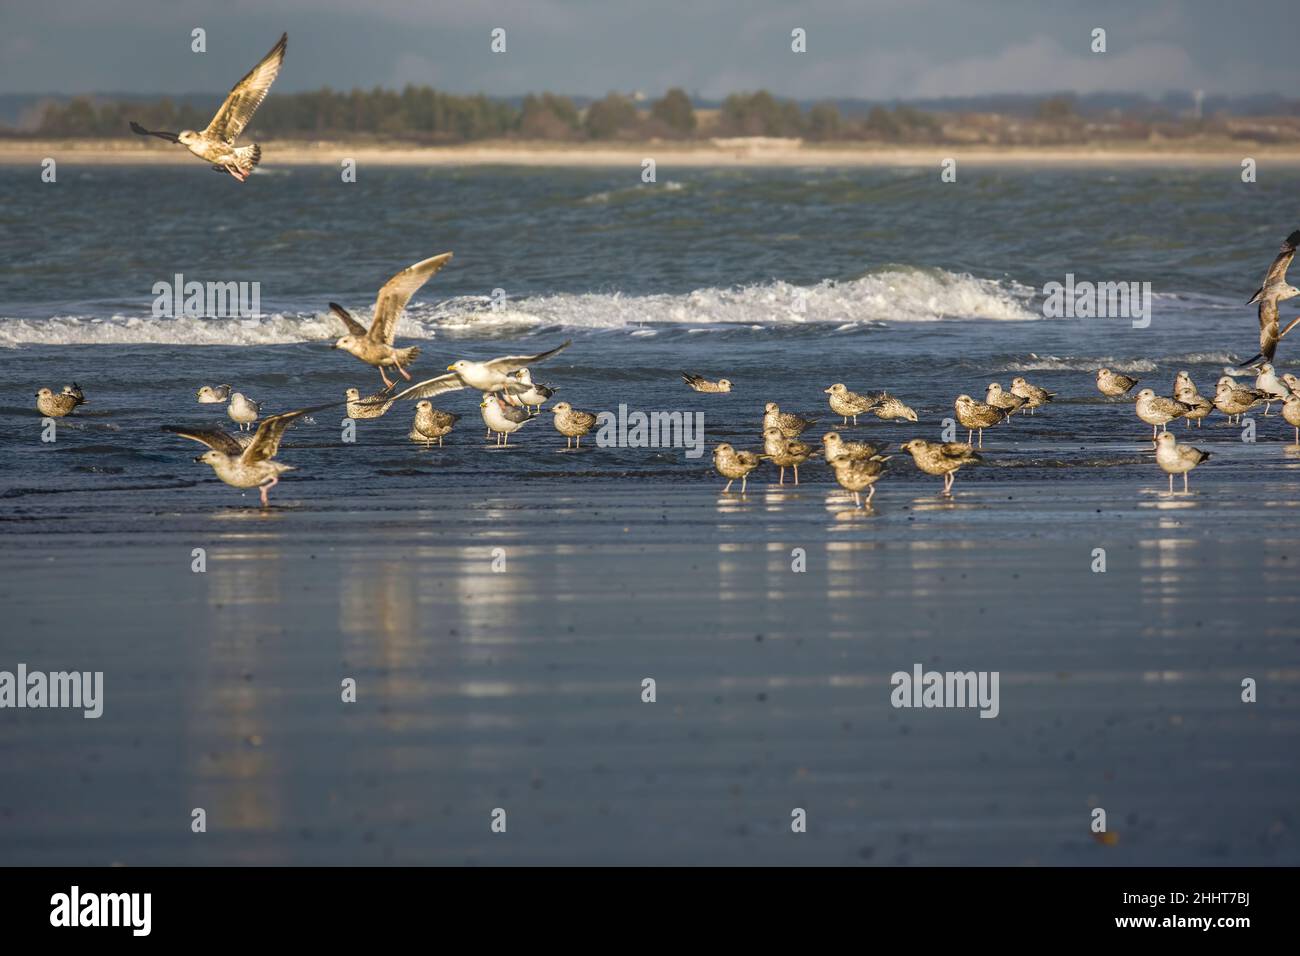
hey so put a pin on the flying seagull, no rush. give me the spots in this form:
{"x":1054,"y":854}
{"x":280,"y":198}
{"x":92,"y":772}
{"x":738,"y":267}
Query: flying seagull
{"x":490,"y":376}
{"x":374,"y":346}
{"x":216,"y":144}
{"x":1275,"y":289}
{"x":246,"y":467}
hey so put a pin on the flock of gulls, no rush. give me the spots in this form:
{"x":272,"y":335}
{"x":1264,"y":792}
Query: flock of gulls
{"x":510,"y":398}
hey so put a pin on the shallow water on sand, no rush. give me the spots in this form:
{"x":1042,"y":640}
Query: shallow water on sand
{"x":522,"y":689}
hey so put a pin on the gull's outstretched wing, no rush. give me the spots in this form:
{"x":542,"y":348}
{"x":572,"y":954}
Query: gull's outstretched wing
{"x":161,"y":134}
{"x":397,"y":291}
{"x":1277,"y":271}
{"x":1267,"y":329}
{"x":215,"y":438}
{"x":266,"y":442}
{"x":247,"y":95}
{"x":430,"y":387}
{"x":509,"y":363}
{"x":355,"y":327}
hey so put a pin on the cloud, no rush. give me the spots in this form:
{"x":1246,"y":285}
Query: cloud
{"x":1042,"y":63}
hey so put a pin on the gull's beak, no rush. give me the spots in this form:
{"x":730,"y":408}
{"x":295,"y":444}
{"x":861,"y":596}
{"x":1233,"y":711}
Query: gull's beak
{"x":826,"y":391}
{"x":200,"y":458}
{"x":451,"y":368}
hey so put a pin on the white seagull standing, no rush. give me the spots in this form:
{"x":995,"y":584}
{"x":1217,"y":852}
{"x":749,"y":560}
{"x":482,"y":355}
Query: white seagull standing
{"x":521,"y":390}
{"x":216,"y":144}
{"x":1176,"y":459}
{"x":213,"y":394}
{"x":502,"y":419}
{"x":1268,"y":383}
{"x":243,"y":410}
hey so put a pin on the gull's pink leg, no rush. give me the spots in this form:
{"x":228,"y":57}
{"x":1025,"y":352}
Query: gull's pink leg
{"x":387,"y":383}
{"x":267,"y":487}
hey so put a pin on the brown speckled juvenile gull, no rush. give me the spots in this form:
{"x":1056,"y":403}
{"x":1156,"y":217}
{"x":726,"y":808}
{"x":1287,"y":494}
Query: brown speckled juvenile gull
{"x":1034,"y":396}
{"x":572,"y":423}
{"x":246,"y":467}
{"x":1185,"y":391}
{"x":53,"y":405}
{"x":374,"y":346}
{"x":941,"y":458}
{"x":975,"y":416}
{"x":848,"y":404}
{"x":702,"y":384}
{"x":891,"y":409}
{"x":1009,"y":402}
{"x":855,"y":475}
{"x":786,"y":452}
{"x":1113,"y":383}
{"x":372,"y":406}
{"x":732,"y":463}
{"x":1158,"y":411}
{"x":216,"y":144}
{"x":431,"y":424}
{"x":1234,"y":399}
{"x":789,"y":424}
{"x":836,"y":447}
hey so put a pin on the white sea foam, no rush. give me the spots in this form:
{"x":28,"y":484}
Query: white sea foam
{"x":1072,"y":363}
{"x":892,"y":295}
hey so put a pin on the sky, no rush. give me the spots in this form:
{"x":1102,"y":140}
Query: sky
{"x":874,"y":49}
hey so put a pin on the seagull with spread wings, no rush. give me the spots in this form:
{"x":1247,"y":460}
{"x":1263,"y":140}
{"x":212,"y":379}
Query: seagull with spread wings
{"x":250,"y":466}
{"x":374,"y":346}
{"x":490,"y":376}
{"x":216,"y":144}
{"x":1274,"y":289}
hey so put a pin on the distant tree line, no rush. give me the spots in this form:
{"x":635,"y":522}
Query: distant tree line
{"x":422,"y":114}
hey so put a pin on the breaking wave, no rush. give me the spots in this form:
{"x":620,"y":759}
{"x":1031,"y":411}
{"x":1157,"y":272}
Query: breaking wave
{"x":897,"y":294}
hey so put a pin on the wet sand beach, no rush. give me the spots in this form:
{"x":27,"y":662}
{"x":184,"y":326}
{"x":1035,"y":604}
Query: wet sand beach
{"x":744,"y":152}
{"x":521,"y":689}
